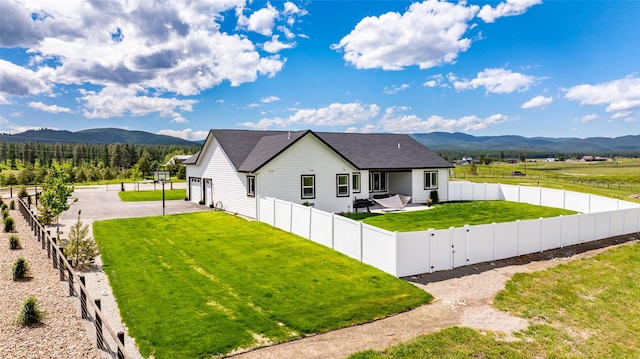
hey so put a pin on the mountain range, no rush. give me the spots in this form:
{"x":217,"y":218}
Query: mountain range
{"x":460,"y":142}
{"x":436,"y":141}
{"x":96,"y":135}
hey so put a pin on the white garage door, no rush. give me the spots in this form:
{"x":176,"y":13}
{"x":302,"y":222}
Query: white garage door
{"x":195,"y":192}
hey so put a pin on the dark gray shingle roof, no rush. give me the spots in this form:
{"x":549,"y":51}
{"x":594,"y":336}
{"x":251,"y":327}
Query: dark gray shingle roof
{"x":250,"y":150}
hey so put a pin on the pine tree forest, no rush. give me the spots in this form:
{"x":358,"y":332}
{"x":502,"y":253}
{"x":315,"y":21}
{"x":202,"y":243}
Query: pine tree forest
{"x":27,"y":163}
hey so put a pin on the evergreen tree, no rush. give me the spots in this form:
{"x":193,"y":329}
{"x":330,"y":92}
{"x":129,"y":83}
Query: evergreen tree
{"x":80,"y":248}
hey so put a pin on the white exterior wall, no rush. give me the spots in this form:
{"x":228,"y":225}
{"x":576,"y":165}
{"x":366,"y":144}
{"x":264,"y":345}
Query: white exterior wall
{"x":281,"y":177}
{"x":400,"y":183}
{"x":421,"y":195}
{"x":364,"y":186}
{"x":228,"y":185}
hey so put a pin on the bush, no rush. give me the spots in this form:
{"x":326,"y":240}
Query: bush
{"x":434,"y":197}
{"x":12,"y":205}
{"x":8,"y":224}
{"x":14,"y":243}
{"x":19,"y":268}
{"x":23,"y":192}
{"x":29,"y":313}
{"x":5,"y":213}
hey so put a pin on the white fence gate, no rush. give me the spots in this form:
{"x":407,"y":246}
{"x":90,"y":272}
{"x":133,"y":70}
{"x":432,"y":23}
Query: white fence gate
{"x":410,"y":253}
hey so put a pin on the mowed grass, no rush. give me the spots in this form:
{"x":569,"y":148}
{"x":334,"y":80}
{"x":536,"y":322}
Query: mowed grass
{"x":204,"y":284}
{"x":457,"y":214}
{"x":154,"y":195}
{"x":588,"y":308}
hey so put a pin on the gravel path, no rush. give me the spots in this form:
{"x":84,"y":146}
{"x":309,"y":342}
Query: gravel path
{"x":62,"y":333}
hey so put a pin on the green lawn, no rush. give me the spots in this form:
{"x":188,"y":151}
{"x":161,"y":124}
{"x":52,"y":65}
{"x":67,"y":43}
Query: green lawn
{"x":204,"y":284}
{"x":457,"y":214}
{"x":587,"y":308}
{"x":140,"y":196}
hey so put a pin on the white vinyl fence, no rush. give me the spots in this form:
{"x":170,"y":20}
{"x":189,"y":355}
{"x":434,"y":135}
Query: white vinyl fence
{"x":410,"y":253}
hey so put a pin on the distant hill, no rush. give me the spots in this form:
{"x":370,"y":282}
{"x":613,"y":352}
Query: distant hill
{"x":449,"y":142}
{"x":96,"y":135}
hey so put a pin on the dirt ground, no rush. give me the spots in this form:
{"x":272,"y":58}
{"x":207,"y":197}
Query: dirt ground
{"x":464,"y":297}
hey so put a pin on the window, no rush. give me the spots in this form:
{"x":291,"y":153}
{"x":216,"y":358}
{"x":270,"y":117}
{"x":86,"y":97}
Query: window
{"x":355,"y":182}
{"x":251,"y":186}
{"x":342,"y":185}
{"x":378,"y":181}
{"x":308,"y":183}
{"x":430,"y":180}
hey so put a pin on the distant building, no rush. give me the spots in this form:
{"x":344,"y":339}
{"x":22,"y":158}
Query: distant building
{"x":550,"y":159}
{"x":177,"y":160}
{"x":512,"y":160}
{"x":593,"y":159}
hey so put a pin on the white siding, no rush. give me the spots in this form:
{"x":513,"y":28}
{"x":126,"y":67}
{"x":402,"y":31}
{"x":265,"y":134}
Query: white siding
{"x":400,"y":183}
{"x":228,"y":184}
{"x":281,"y":177}
{"x":421,"y":195}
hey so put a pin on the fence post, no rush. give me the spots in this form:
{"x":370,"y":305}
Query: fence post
{"x":49,"y":247}
{"x":72,"y":292}
{"x":121,"y":339}
{"x":83,"y":298}
{"x":61,"y":266}
{"x":54,"y":255}
{"x":98,"y":325}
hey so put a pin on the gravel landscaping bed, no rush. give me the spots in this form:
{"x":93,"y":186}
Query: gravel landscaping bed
{"x":62,"y":333}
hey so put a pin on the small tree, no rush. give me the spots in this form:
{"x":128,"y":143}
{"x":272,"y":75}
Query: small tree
{"x":80,"y":248}
{"x":433,"y":196}
{"x":55,"y":192}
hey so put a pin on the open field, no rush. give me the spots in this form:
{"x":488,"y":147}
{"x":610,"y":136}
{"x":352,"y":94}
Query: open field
{"x":210,"y":283}
{"x":457,"y":214}
{"x":140,"y":196}
{"x":617,"y":179}
{"x":587,"y":308}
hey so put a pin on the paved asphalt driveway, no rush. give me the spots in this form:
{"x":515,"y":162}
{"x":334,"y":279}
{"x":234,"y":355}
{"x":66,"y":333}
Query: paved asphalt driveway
{"x":102,"y":202}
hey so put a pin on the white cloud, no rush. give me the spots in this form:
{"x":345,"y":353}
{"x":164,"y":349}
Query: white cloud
{"x":508,"y":8}
{"x":336,"y":114}
{"x":619,"y":95}
{"x":270,"y":99}
{"x":537,"y":102}
{"x":428,"y":34}
{"x":586,"y":119}
{"x":7,"y":126}
{"x":114,"y":102}
{"x":390,"y":90}
{"x":186,"y":134}
{"x":261,"y":21}
{"x":49,"y":108}
{"x":274,"y":46}
{"x":621,"y":114}
{"x":496,"y":80}
{"x":19,"y":81}
{"x":394,"y":120}
{"x":3,"y":100}
{"x":173,"y":48}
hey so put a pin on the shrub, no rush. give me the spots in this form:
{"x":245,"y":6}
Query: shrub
{"x":8,"y":224}
{"x":434,"y":197}
{"x":4,"y":206}
{"x":5,"y":213}
{"x":14,"y":243}
{"x":19,"y":268}
{"x":30,"y":313}
{"x":23,"y":192}
{"x":12,"y":205}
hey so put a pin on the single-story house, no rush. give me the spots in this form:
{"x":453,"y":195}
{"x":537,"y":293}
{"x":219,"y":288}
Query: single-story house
{"x":328,"y":170}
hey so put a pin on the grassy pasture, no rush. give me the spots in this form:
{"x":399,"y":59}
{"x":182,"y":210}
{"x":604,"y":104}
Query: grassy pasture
{"x":617,"y":179}
{"x":140,"y":196}
{"x":457,"y":214}
{"x":587,"y":308}
{"x":204,"y":284}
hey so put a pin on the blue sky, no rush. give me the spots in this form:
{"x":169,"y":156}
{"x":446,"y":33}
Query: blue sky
{"x":514,"y":67}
